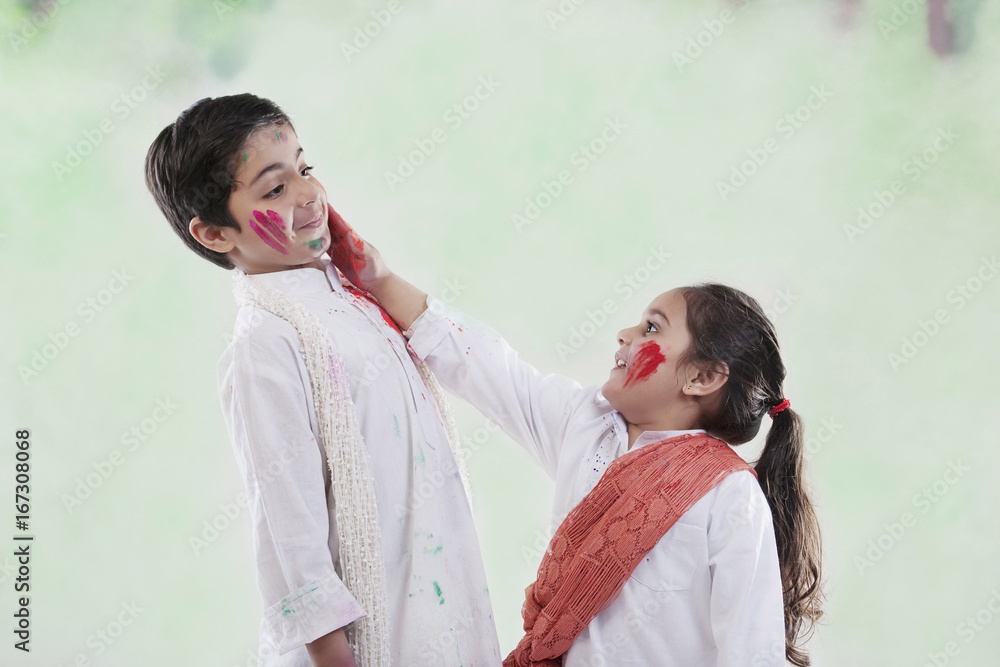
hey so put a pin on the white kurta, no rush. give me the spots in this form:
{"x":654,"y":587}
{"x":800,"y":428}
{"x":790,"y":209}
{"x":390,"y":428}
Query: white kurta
{"x":709,"y":592}
{"x":438,"y":602}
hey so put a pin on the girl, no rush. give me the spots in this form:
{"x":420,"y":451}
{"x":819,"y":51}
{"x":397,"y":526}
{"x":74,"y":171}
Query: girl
{"x":671,"y":550}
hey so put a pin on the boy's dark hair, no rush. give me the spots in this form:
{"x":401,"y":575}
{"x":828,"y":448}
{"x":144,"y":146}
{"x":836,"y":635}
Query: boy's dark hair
{"x":191,"y":166}
{"x":728,"y":325}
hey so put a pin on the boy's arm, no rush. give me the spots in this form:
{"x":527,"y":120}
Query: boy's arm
{"x":331,"y":650}
{"x":266,"y":394}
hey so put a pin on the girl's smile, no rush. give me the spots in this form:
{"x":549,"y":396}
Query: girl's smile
{"x":648,"y":385}
{"x":647,"y":351}
{"x":644,"y":363}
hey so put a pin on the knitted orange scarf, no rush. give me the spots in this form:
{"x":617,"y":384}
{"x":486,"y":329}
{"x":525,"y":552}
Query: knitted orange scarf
{"x":596,"y":548}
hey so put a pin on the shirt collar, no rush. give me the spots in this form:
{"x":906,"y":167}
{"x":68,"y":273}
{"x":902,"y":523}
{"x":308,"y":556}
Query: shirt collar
{"x":646,"y":437}
{"x":307,"y":280}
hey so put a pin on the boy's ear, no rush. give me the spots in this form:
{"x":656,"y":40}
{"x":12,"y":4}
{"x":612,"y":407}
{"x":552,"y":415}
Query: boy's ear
{"x":705,"y":381}
{"x":213,"y":237}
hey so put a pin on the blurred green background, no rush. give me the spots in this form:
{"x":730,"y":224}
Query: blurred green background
{"x":902,"y":125}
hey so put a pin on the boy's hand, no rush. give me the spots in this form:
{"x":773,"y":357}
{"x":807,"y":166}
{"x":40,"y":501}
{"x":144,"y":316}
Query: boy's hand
{"x":357,"y":259}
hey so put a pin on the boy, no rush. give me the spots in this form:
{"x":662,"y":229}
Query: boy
{"x":363,"y":535}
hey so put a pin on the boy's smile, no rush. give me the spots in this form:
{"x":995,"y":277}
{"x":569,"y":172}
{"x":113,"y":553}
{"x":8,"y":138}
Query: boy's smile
{"x":280,"y":206}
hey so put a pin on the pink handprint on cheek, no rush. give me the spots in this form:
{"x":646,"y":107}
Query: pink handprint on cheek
{"x":271,"y":229}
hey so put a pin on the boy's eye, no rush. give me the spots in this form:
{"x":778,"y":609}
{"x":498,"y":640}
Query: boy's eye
{"x":650,"y":325}
{"x":276,"y":192}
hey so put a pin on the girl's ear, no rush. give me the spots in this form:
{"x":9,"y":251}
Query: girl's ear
{"x":213,"y":237}
{"x":706,"y":381}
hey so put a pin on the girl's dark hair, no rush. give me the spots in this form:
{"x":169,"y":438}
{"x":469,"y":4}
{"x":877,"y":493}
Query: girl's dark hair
{"x":191,"y":166}
{"x":729,"y":326}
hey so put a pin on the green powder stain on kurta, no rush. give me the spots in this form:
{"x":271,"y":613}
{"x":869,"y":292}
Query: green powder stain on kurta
{"x":286,"y":610}
{"x":437,"y":589}
{"x":430,"y":547}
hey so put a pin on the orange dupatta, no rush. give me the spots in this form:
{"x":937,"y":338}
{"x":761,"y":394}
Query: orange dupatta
{"x":600,"y":542}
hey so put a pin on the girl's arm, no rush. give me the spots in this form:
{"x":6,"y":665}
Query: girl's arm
{"x":468,"y":358}
{"x":476,"y":363}
{"x":404,"y":302}
{"x":747,"y":608}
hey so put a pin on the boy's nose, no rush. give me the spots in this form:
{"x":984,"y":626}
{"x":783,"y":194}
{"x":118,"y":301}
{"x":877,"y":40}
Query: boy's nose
{"x":310,"y":192}
{"x":308,"y":197}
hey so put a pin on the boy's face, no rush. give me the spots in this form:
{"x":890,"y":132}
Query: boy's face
{"x":280,"y":207}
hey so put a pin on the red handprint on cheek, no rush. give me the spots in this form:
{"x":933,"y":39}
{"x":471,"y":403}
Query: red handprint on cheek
{"x":271,"y":229}
{"x":646,"y":360}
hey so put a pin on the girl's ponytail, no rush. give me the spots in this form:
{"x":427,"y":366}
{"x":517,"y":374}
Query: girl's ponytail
{"x":780,"y":472}
{"x":730,"y":327}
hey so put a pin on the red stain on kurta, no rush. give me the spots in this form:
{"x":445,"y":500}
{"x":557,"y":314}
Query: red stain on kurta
{"x":364,"y":295}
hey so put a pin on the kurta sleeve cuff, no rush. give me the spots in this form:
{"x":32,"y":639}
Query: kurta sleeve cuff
{"x":429,"y":329}
{"x":308,"y":613}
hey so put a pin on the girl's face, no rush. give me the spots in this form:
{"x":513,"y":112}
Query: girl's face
{"x":645,"y":380}
{"x":280,"y":206}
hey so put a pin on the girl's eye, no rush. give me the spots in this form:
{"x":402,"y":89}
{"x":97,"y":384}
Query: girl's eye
{"x":650,"y":325}
{"x":306,"y":169}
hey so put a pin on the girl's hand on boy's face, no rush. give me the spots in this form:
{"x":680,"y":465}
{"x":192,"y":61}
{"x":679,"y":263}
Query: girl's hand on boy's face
{"x":357,"y":259}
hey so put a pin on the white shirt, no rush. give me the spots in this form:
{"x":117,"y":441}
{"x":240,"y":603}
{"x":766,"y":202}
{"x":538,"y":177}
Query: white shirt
{"x":439,"y":607}
{"x":709,"y":592}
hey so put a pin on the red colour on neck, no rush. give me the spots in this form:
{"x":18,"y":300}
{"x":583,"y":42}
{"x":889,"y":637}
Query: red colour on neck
{"x":364,"y":295}
{"x":644,"y":362}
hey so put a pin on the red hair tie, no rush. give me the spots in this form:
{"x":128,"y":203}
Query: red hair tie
{"x":779,"y":407}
